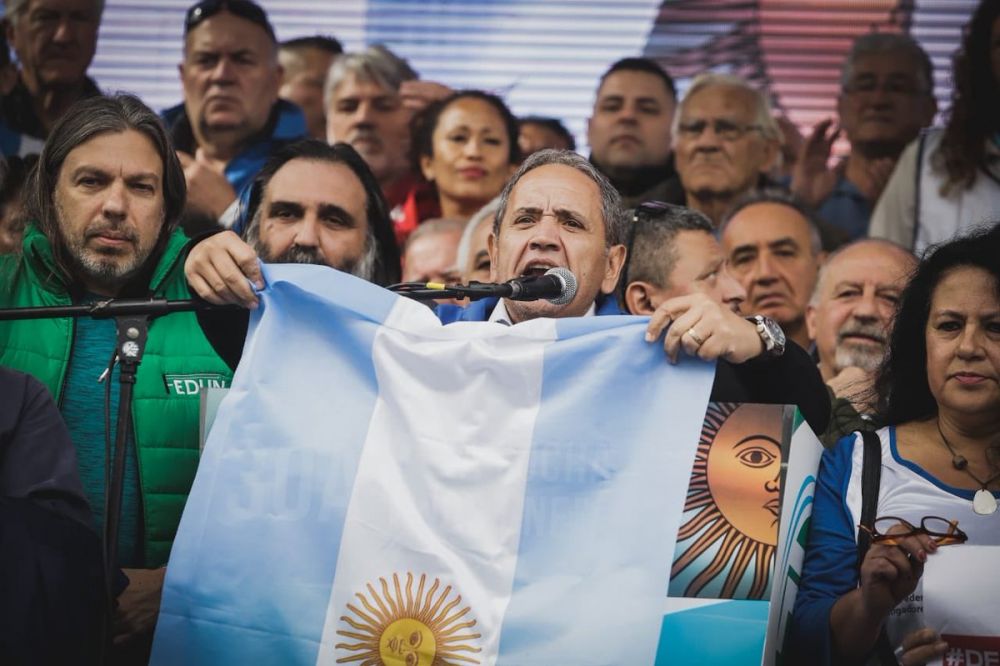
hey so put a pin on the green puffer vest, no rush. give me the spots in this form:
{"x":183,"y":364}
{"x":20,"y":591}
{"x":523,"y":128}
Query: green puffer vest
{"x":177,"y":362}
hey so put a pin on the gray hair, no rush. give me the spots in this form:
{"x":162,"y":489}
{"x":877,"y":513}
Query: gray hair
{"x":615,"y":221}
{"x":438,"y":225}
{"x":832,"y":257}
{"x":774,"y":195}
{"x":763,"y":115}
{"x":465,"y":244}
{"x":376,"y":64}
{"x":889,"y":42}
{"x":17,"y":7}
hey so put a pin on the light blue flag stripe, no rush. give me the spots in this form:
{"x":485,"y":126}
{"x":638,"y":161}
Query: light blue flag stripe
{"x":697,"y":632}
{"x":597,"y":537}
{"x":257,"y":546}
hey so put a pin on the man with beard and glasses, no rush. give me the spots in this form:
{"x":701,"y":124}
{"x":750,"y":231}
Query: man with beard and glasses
{"x":104,"y":204}
{"x":850,"y":317}
{"x":674,"y":254}
{"x":311,"y":203}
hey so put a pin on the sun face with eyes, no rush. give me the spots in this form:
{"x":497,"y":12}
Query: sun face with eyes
{"x":733,"y":501}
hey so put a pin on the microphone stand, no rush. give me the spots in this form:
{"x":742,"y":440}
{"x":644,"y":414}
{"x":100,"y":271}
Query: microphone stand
{"x":132,"y":319}
{"x":422,"y":291}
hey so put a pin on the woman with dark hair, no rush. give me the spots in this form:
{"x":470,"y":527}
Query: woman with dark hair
{"x":949,"y":179}
{"x":938,"y":469}
{"x":466,"y":146}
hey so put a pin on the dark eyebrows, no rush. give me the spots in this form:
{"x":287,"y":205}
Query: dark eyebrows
{"x":535,"y":213}
{"x":743,"y":250}
{"x":89,"y":169}
{"x":563,"y":214}
{"x":961,"y":315}
{"x":786,"y":242}
{"x":327,"y":210}
{"x":144,"y":175}
{"x":275,"y":207}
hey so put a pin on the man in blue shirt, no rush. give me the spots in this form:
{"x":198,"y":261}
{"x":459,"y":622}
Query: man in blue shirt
{"x":887,"y":97}
{"x":231,"y":119}
{"x":556,"y":211}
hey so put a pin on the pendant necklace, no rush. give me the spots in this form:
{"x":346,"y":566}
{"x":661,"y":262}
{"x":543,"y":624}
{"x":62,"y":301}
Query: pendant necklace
{"x":983,"y":502}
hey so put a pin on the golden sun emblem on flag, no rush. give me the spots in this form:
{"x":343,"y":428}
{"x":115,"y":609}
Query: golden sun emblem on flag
{"x":396,"y":630}
{"x":734,"y":494}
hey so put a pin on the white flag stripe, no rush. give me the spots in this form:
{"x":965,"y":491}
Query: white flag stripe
{"x":440,"y":484}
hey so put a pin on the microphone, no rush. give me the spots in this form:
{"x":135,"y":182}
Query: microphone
{"x":557,"y":286}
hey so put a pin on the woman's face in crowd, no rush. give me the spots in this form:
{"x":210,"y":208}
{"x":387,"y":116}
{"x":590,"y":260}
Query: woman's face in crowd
{"x":471,"y":152}
{"x":963,"y":342}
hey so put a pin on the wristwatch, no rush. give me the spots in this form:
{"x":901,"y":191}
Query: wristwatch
{"x":770,"y":334}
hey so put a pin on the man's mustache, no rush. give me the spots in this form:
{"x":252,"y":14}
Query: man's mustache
{"x":873,"y":331}
{"x":118,"y":231}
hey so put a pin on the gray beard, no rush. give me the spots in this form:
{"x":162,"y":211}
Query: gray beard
{"x":848,"y":356}
{"x":364,"y":267}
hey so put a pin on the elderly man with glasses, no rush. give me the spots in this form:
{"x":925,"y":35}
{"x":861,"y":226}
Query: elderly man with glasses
{"x":725,"y":143}
{"x":231,"y":119}
{"x":887,"y":97}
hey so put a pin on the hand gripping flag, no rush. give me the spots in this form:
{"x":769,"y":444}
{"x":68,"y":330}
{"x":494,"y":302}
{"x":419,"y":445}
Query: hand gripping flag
{"x":381,"y":489}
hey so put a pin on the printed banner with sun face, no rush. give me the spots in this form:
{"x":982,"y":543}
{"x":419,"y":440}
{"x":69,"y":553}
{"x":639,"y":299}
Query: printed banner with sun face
{"x":726,"y":544}
{"x":724,"y":558}
{"x":380,"y":489}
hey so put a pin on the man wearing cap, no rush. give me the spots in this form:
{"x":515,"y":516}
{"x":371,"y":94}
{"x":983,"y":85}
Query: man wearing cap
{"x":231,"y":119}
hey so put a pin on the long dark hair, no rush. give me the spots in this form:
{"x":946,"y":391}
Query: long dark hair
{"x":380,"y":229}
{"x":974,"y":114}
{"x":84,"y":121}
{"x":901,"y":384}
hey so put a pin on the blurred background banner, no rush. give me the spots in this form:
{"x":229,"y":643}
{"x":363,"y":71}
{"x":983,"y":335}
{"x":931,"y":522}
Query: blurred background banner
{"x":545,"y":57}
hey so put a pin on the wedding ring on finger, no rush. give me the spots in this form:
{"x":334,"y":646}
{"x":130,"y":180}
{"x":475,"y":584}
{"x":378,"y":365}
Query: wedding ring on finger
{"x":694,"y":336}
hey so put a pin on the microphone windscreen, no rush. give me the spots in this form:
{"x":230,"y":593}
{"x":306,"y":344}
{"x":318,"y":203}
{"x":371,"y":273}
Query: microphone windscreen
{"x":569,"y":285}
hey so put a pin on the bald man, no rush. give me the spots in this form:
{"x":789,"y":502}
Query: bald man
{"x":850,"y":318}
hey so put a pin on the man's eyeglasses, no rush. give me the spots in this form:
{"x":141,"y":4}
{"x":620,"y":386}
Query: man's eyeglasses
{"x":724,"y":129}
{"x":246,"y":9}
{"x":867,"y":86}
{"x":942,"y":531}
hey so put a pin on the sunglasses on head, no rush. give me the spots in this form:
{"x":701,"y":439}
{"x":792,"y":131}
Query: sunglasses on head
{"x":647,"y":210}
{"x":246,"y":9}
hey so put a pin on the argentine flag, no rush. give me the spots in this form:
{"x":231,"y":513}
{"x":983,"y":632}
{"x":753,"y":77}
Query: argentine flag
{"x":381,"y":489}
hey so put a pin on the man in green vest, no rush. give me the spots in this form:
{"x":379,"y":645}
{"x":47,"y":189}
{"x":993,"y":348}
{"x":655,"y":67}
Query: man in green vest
{"x":104,"y":205}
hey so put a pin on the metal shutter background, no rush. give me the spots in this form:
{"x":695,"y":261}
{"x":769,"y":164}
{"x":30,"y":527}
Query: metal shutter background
{"x":545,"y":57}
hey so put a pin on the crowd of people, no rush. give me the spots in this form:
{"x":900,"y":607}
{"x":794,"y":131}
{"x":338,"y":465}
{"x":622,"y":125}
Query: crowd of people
{"x":863,"y":289}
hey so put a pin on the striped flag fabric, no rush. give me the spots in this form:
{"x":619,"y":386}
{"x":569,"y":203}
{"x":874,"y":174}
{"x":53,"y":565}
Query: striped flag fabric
{"x":378,"y":488}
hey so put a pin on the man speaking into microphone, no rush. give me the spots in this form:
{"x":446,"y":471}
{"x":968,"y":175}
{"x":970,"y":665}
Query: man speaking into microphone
{"x":557,"y":211}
